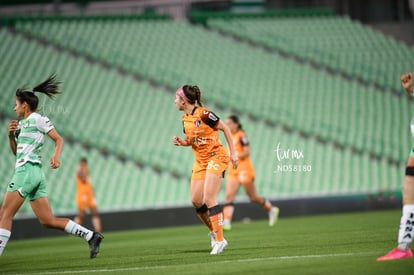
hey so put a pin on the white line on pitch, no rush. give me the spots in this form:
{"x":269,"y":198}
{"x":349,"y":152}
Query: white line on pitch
{"x":138,"y":268}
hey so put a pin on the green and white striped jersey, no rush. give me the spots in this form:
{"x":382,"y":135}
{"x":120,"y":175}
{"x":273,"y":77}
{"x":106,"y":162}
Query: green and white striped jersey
{"x":31,"y":138}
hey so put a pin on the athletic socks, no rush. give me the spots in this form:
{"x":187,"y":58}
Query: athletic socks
{"x":216,"y":218}
{"x":203,"y":215}
{"x":4,"y":238}
{"x":405,"y":234}
{"x":78,"y":230}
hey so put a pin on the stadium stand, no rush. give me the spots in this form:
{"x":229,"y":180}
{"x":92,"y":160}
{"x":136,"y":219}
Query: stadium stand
{"x":245,"y":78}
{"x":338,"y":43}
{"x":117,"y":109}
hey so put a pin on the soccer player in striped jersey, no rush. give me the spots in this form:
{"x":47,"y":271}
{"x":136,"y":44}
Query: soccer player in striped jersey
{"x":406,"y":231}
{"x":244,"y":175}
{"x":26,"y":138}
{"x":201,"y":128}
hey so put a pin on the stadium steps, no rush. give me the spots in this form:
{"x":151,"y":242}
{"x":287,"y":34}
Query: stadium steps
{"x":329,"y":130}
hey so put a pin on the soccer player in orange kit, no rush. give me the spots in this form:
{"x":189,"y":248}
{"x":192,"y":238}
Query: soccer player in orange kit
{"x":211,"y":160}
{"x":243,"y":175}
{"x":85,"y":198}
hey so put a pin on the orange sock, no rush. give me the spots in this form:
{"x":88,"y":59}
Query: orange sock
{"x":203,"y":215}
{"x":228,"y":211}
{"x":216,"y":218}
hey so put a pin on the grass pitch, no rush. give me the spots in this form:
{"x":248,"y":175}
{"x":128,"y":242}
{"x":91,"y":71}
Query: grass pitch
{"x":327,"y":244}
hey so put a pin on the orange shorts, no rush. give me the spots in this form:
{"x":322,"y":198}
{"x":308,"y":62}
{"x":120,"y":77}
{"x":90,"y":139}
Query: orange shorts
{"x":243,"y":174}
{"x":216,"y":166}
{"x":85,"y":201}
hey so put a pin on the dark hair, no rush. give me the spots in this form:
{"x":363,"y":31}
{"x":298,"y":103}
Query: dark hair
{"x":236,"y":120}
{"x":49,"y":87}
{"x":193,"y":94}
{"x":84,"y":160}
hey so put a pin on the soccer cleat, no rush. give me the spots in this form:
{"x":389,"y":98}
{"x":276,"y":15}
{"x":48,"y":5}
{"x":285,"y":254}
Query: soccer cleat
{"x":94,"y":244}
{"x":273,"y":215}
{"x":396,"y":254}
{"x":218,"y":247}
{"x":212,"y":235}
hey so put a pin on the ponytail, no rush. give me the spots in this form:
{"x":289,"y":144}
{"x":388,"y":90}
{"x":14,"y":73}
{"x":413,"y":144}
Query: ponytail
{"x":197,"y":95}
{"x":192,"y":94}
{"x":49,"y":87}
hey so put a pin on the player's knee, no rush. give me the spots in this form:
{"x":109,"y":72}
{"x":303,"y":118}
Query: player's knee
{"x":197,"y":204}
{"x":196,"y":201}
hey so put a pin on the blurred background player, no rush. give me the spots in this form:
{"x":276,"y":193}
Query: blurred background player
{"x":85,"y":198}
{"x":406,"y":231}
{"x":244,"y":175}
{"x":26,"y":139}
{"x":211,"y":160}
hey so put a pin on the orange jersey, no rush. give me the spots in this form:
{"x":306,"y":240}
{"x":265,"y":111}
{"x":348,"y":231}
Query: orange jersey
{"x":240,"y":140}
{"x":84,"y":194}
{"x":245,"y":170}
{"x":200,"y":129}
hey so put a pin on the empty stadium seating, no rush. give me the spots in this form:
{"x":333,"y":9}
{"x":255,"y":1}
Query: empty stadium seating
{"x":352,"y":136}
{"x":244,"y":78}
{"x":335,"y":42}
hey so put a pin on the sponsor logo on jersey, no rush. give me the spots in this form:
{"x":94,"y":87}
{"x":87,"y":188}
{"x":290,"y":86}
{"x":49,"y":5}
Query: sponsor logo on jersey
{"x":212,"y":165}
